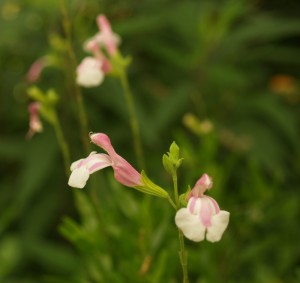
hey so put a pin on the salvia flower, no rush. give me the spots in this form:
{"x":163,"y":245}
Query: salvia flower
{"x":102,"y":46}
{"x":124,"y":173}
{"x":35,"y":124}
{"x":202,"y":218}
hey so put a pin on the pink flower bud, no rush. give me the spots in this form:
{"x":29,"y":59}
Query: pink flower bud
{"x":36,"y":69}
{"x":35,"y":124}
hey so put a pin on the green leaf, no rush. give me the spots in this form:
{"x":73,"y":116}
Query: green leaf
{"x":168,"y":165}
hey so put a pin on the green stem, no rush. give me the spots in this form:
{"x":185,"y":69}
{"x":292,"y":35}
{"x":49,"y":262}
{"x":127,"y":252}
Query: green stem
{"x":172,"y":203}
{"x":133,"y":120}
{"x":182,"y":252}
{"x":82,"y":117}
{"x":73,"y":64}
{"x":183,"y":257}
{"x":174,"y":177}
{"x":63,"y":145}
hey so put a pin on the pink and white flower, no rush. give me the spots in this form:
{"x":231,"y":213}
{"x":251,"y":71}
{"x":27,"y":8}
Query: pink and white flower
{"x":123,"y":171}
{"x":202,"y":218}
{"x":89,"y":72}
{"x":35,"y":124}
{"x":102,"y":46}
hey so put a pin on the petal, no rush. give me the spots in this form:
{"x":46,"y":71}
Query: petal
{"x":75,"y":164}
{"x":103,"y":141}
{"x":89,"y":72}
{"x":79,"y":177}
{"x":106,"y":34}
{"x":94,"y":162}
{"x":206,"y":211}
{"x":194,"y":205}
{"x":125,"y":173}
{"x":219,"y":224}
{"x":190,"y":225}
{"x":99,"y":162}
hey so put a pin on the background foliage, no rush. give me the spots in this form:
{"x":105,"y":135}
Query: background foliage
{"x":219,"y":77}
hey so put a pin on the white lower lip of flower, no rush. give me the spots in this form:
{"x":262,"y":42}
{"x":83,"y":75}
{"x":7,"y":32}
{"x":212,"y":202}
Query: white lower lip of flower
{"x":89,"y":72}
{"x":190,"y":225}
{"x":219,"y":224}
{"x":90,"y":78}
{"x":79,"y":177}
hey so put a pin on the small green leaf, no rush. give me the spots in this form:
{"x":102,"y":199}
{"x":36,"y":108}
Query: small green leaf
{"x":174,"y":151}
{"x":171,"y":160}
{"x":168,"y":165}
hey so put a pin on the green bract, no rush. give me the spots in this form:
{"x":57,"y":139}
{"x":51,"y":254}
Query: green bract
{"x":183,"y":197}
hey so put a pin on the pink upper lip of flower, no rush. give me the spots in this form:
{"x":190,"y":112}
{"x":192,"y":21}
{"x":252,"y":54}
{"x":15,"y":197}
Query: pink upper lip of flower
{"x":106,"y":34}
{"x":123,"y":170}
{"x":204,"y":183}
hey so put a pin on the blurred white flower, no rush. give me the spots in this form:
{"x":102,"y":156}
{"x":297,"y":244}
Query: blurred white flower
{"x":89,"y":72}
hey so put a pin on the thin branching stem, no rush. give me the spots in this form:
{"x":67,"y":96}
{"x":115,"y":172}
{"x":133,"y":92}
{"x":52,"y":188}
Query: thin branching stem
{"x":73,"y":64}
{"x":62,"y":144}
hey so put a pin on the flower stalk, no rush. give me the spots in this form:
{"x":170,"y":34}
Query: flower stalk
{"x":132,"y":119}
{"x":62,"y":144}
{"x":182,"y":252}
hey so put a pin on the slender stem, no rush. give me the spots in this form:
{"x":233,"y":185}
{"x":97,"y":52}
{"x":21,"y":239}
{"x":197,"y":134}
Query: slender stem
{"x":63,"y":145}
{"x":174,"y":177}
{"x":172,"y":203}
{"x":182,"y":252}
{"x":133,"y":120}
{"x":73,"y":64}
{"x":82,"y":117}
{"x":183,"y":257}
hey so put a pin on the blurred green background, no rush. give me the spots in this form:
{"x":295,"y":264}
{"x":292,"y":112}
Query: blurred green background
{"x":219,"y":77}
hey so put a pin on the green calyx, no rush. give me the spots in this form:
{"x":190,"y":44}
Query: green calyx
{"x":183,"y":197}
{"x":119,"y":64}
{"x":47,"y":101}
{"x":151,"y":188}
